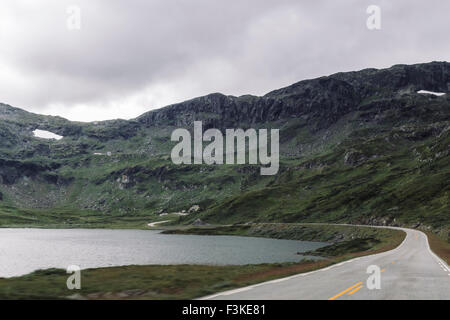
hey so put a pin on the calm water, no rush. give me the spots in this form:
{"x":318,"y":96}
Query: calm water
{"x":25,"y":250}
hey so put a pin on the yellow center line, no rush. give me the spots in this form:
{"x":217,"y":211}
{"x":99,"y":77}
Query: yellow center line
{"x":354,"y":290}
{"x":345,"y":291}
{"x":383,"y":270}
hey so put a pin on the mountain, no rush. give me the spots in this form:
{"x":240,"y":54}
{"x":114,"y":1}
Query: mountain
{"x":360,"y":147}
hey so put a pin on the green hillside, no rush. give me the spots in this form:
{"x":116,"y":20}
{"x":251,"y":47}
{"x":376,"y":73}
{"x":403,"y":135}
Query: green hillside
{"x":360,"y":147}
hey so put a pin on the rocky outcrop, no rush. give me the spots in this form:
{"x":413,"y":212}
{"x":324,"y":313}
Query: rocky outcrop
{"x":320,"y":101}
{"x":11,"y":170}
{"x":194,"y":209}
{"x":342,"y":120}
{"x":353,"y":158}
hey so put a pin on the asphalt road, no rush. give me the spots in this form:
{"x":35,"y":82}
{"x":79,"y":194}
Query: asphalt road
{"x":410,"y":271}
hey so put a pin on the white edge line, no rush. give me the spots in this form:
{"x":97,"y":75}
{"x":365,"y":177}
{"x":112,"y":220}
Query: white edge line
{"x":439,"y":260}
{"x":229,"y":292}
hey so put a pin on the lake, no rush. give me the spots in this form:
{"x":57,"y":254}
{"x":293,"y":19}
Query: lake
{"x":25,"y":250}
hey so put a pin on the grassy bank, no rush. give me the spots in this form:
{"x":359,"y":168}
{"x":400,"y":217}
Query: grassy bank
{"x":439,"y":246}
{"x":345,"y":239}
{"x":64,"y":218}
{"x":175,"y":281}
{"x":353,"y":236}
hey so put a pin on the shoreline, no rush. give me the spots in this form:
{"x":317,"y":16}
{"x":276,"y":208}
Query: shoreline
{"x":164,"y":281}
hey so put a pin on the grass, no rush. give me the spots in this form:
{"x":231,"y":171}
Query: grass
{"x":402,"y":175}
{"x":296,"y":231}
{"x":347,"y":246}
{"x":401,"y":180}
{"x":439,"y":246}
{"x":171,"y":281}
{"x":64,"y":218}
{"x":346,"y":239}
{"x":143,"y":282}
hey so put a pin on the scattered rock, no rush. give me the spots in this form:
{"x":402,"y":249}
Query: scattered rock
{"x":195,"y":208}
{"x":353,"y":158}
{"x":198,"y":222}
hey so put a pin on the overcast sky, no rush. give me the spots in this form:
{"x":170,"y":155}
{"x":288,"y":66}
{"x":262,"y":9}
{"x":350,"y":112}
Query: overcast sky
{"x":129,"y":57}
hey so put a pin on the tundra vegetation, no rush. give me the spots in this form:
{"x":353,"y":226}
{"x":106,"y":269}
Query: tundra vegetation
{"x":366,"y":147}
{"x":359,"y":147}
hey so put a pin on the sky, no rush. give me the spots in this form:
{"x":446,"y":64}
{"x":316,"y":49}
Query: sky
{"x":91,"y":60}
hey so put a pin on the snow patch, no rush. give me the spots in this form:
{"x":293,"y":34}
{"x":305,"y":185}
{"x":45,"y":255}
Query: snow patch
{"x":103,"y":154}
{"x":46,"y":134}
{"x":431,"y":92}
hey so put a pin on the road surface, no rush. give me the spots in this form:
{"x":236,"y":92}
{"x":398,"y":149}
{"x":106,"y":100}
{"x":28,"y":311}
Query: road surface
{"x":410,"y":271}
{"x":154,"y":224}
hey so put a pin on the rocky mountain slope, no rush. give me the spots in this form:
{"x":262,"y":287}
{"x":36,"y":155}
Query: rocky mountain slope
{"x":359,"y":146}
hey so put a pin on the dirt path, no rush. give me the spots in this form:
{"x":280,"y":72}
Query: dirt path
{"x":154,"y":224}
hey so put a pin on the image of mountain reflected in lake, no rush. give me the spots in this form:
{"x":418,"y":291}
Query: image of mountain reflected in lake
{"x":25,"y":250}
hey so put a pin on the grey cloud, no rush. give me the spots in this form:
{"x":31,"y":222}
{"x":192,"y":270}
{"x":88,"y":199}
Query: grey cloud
{"x":236,"y":47}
